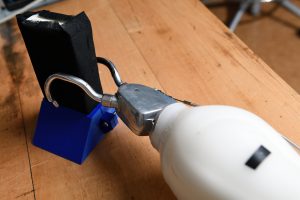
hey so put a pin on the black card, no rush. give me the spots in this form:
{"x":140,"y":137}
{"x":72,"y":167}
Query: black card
{"x":62,"y":43}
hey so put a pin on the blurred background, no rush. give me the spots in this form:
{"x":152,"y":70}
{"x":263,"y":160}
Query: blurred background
{"x":273,"y":34}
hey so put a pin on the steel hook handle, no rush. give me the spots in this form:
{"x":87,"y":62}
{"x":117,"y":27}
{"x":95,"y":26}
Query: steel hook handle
{"x":106,"y":99}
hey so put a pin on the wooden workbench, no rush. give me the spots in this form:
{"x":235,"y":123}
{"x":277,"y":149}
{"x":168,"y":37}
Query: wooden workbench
{"x":177,"y":46}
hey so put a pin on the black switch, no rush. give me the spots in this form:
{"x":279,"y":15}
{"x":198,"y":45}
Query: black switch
{"x":258,"y":157}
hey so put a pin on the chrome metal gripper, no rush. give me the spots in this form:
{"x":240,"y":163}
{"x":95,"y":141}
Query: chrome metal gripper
{"x":137,"y":105}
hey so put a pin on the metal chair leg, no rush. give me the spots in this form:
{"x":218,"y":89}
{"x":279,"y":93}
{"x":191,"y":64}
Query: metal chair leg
{"x":291,"y":7}
{"x":255,"y":8}
{"x":239,"y":14}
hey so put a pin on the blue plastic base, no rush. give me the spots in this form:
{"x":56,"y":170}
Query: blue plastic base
{"x":72,"y":134}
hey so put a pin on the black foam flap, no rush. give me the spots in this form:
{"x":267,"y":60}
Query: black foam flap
{"x":66,"y":48}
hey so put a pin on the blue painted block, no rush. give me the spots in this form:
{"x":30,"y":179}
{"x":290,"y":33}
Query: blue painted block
{"x":72,"y":134}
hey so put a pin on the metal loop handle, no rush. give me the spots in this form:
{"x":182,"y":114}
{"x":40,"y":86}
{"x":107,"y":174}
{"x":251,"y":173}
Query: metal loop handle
{"x":112,"y":68}
{"x":106,"y":99}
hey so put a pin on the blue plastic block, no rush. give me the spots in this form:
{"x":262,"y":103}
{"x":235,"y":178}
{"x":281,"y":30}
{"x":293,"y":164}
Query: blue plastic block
{"x":72,"y":134}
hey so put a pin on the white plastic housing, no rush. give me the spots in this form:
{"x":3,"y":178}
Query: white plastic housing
{"x":204,"y":150}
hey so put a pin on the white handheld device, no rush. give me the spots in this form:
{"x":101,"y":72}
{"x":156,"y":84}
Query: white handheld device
{"x":207,"y":152}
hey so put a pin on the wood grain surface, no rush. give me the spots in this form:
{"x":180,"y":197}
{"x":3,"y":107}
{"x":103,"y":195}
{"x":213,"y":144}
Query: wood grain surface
{"x":174,"y":45}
